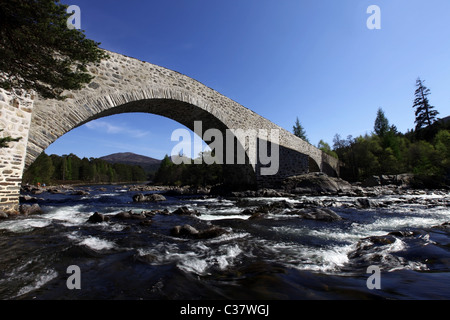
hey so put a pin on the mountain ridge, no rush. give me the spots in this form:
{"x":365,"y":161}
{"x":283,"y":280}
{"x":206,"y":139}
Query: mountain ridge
{"x":147,"y":163}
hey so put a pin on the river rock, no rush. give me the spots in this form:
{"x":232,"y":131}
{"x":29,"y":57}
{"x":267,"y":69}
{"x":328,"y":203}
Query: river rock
{"x":184,"y":231}
{"x":188,"y":231}
{"x":98,"y":218}
{"x":371,"y":182}
{"x":3,"y":215}
{"x":27,"y":209}
{"x":55,"y":191}
{"x":80,"y":193}
{"x":124,"y":215}
{"x":185,"y":211}
{"x":153,"y":197}
{"x":315,"y":183}
{"x":146,"y":222}
{"x":37,"y":190}
{"x":320,"y":214}
{"x":29,"y":199}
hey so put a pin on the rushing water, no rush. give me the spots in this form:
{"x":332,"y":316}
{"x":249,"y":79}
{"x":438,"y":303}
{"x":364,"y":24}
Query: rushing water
{"x":279,"y":256}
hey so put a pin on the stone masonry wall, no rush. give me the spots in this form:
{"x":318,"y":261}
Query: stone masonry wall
{"x":15,"y":118}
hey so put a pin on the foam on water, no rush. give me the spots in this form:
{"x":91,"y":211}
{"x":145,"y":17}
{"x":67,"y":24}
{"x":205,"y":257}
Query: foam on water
{"x":39,"y":282}
{"x":24,"y":225}
{"x":323,"y":259}
{"x":95,"y":243}
{"x":68,"y":216}
{"x":198,"y":259}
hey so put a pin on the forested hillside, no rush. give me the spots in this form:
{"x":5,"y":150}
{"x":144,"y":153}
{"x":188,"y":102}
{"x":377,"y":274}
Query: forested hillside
{"x":70,"y":168}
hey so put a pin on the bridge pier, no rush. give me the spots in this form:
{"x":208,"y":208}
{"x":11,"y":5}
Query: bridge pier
{"x":15,"y":118}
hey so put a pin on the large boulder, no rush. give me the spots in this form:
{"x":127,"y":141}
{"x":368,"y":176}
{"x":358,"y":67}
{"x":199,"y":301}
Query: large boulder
{"x":153,"y":197}
{"x":315,"y":183}
{"x":188,"y":231}
{"x":373,"y":181}
{"x":27,"y":209}
{"x":98,"y":218}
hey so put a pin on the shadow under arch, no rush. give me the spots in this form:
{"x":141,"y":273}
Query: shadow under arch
{"x":235,"y":176}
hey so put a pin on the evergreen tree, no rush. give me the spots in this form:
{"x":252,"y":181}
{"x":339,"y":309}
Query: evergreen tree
{"x":381,"y":126}
{"x":299,"y":131}
{"x":325,"y":147}
{"x":425,"y":115}
{"x":39,"y":52}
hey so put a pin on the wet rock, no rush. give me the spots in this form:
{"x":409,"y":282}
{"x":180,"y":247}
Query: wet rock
{"x":37,"y":190}
{"x":270,"y":193}
{"x":188,"y":231}
{"x":371,"y":182}
{"x":445,"y":227}
{"x":55,"y":191}
{"x":164,"y":212}
{"x":185,"y":211}
{"x":146,"y":222}
{"x":29,"y":199}
{"x":184,"y":231}
{"x":244,"y":194}
{"x":212,"y":232}
{"x":315,"y":183}
{"x":3,"y":215}
{"x":154,"y":197}
{"x":124,"y":215}
{"x":403,"y":234}
{"x":27,"y":209}
{"x":80,"y":193}
{"x":364,"y":203}
{"x":319,"y":214}
{"x":98,"y":218}
{"x":257,"y":215}
{"x":138,"y":216}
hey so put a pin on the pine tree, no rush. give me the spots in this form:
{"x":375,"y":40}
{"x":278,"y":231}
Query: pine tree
{"x":299,"y":131}
{"x":425,"y":115}
{"x":39,"y":52}
{"x":381,"y":126}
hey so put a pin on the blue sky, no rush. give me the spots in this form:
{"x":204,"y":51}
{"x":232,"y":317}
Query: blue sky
{"x":313,"y":59}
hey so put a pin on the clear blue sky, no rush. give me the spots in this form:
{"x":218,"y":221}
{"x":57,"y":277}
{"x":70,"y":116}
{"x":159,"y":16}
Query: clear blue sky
{"x":314,"y":59}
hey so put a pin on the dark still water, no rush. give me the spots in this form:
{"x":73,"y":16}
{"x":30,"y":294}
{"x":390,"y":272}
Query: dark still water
{"x":279,"y":255}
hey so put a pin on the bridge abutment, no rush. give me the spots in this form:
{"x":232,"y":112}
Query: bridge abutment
{"x":15,"y":118}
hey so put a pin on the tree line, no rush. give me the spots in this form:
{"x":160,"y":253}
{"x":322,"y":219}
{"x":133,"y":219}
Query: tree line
{"x":70,"y":168}
{"x":189,"y":173}
{"x":424,"y":151}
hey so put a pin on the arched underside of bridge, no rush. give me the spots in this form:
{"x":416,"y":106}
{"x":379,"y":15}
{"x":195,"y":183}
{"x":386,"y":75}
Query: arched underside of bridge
{"x":236,"y":175}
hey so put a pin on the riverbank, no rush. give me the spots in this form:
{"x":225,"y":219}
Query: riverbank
{"x":366,"y":194}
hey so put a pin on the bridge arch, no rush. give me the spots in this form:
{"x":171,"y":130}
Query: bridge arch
{"x":180,"y":111}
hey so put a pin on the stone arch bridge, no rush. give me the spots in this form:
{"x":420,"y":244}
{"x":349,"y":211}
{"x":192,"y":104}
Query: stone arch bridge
{"x":123,"y":84}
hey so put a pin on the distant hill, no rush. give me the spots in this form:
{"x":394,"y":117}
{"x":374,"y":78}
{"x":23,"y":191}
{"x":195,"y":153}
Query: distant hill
{"x":150,"y":165}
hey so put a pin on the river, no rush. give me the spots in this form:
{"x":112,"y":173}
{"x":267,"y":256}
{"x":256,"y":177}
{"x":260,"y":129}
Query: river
{"x":277,"y":256}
